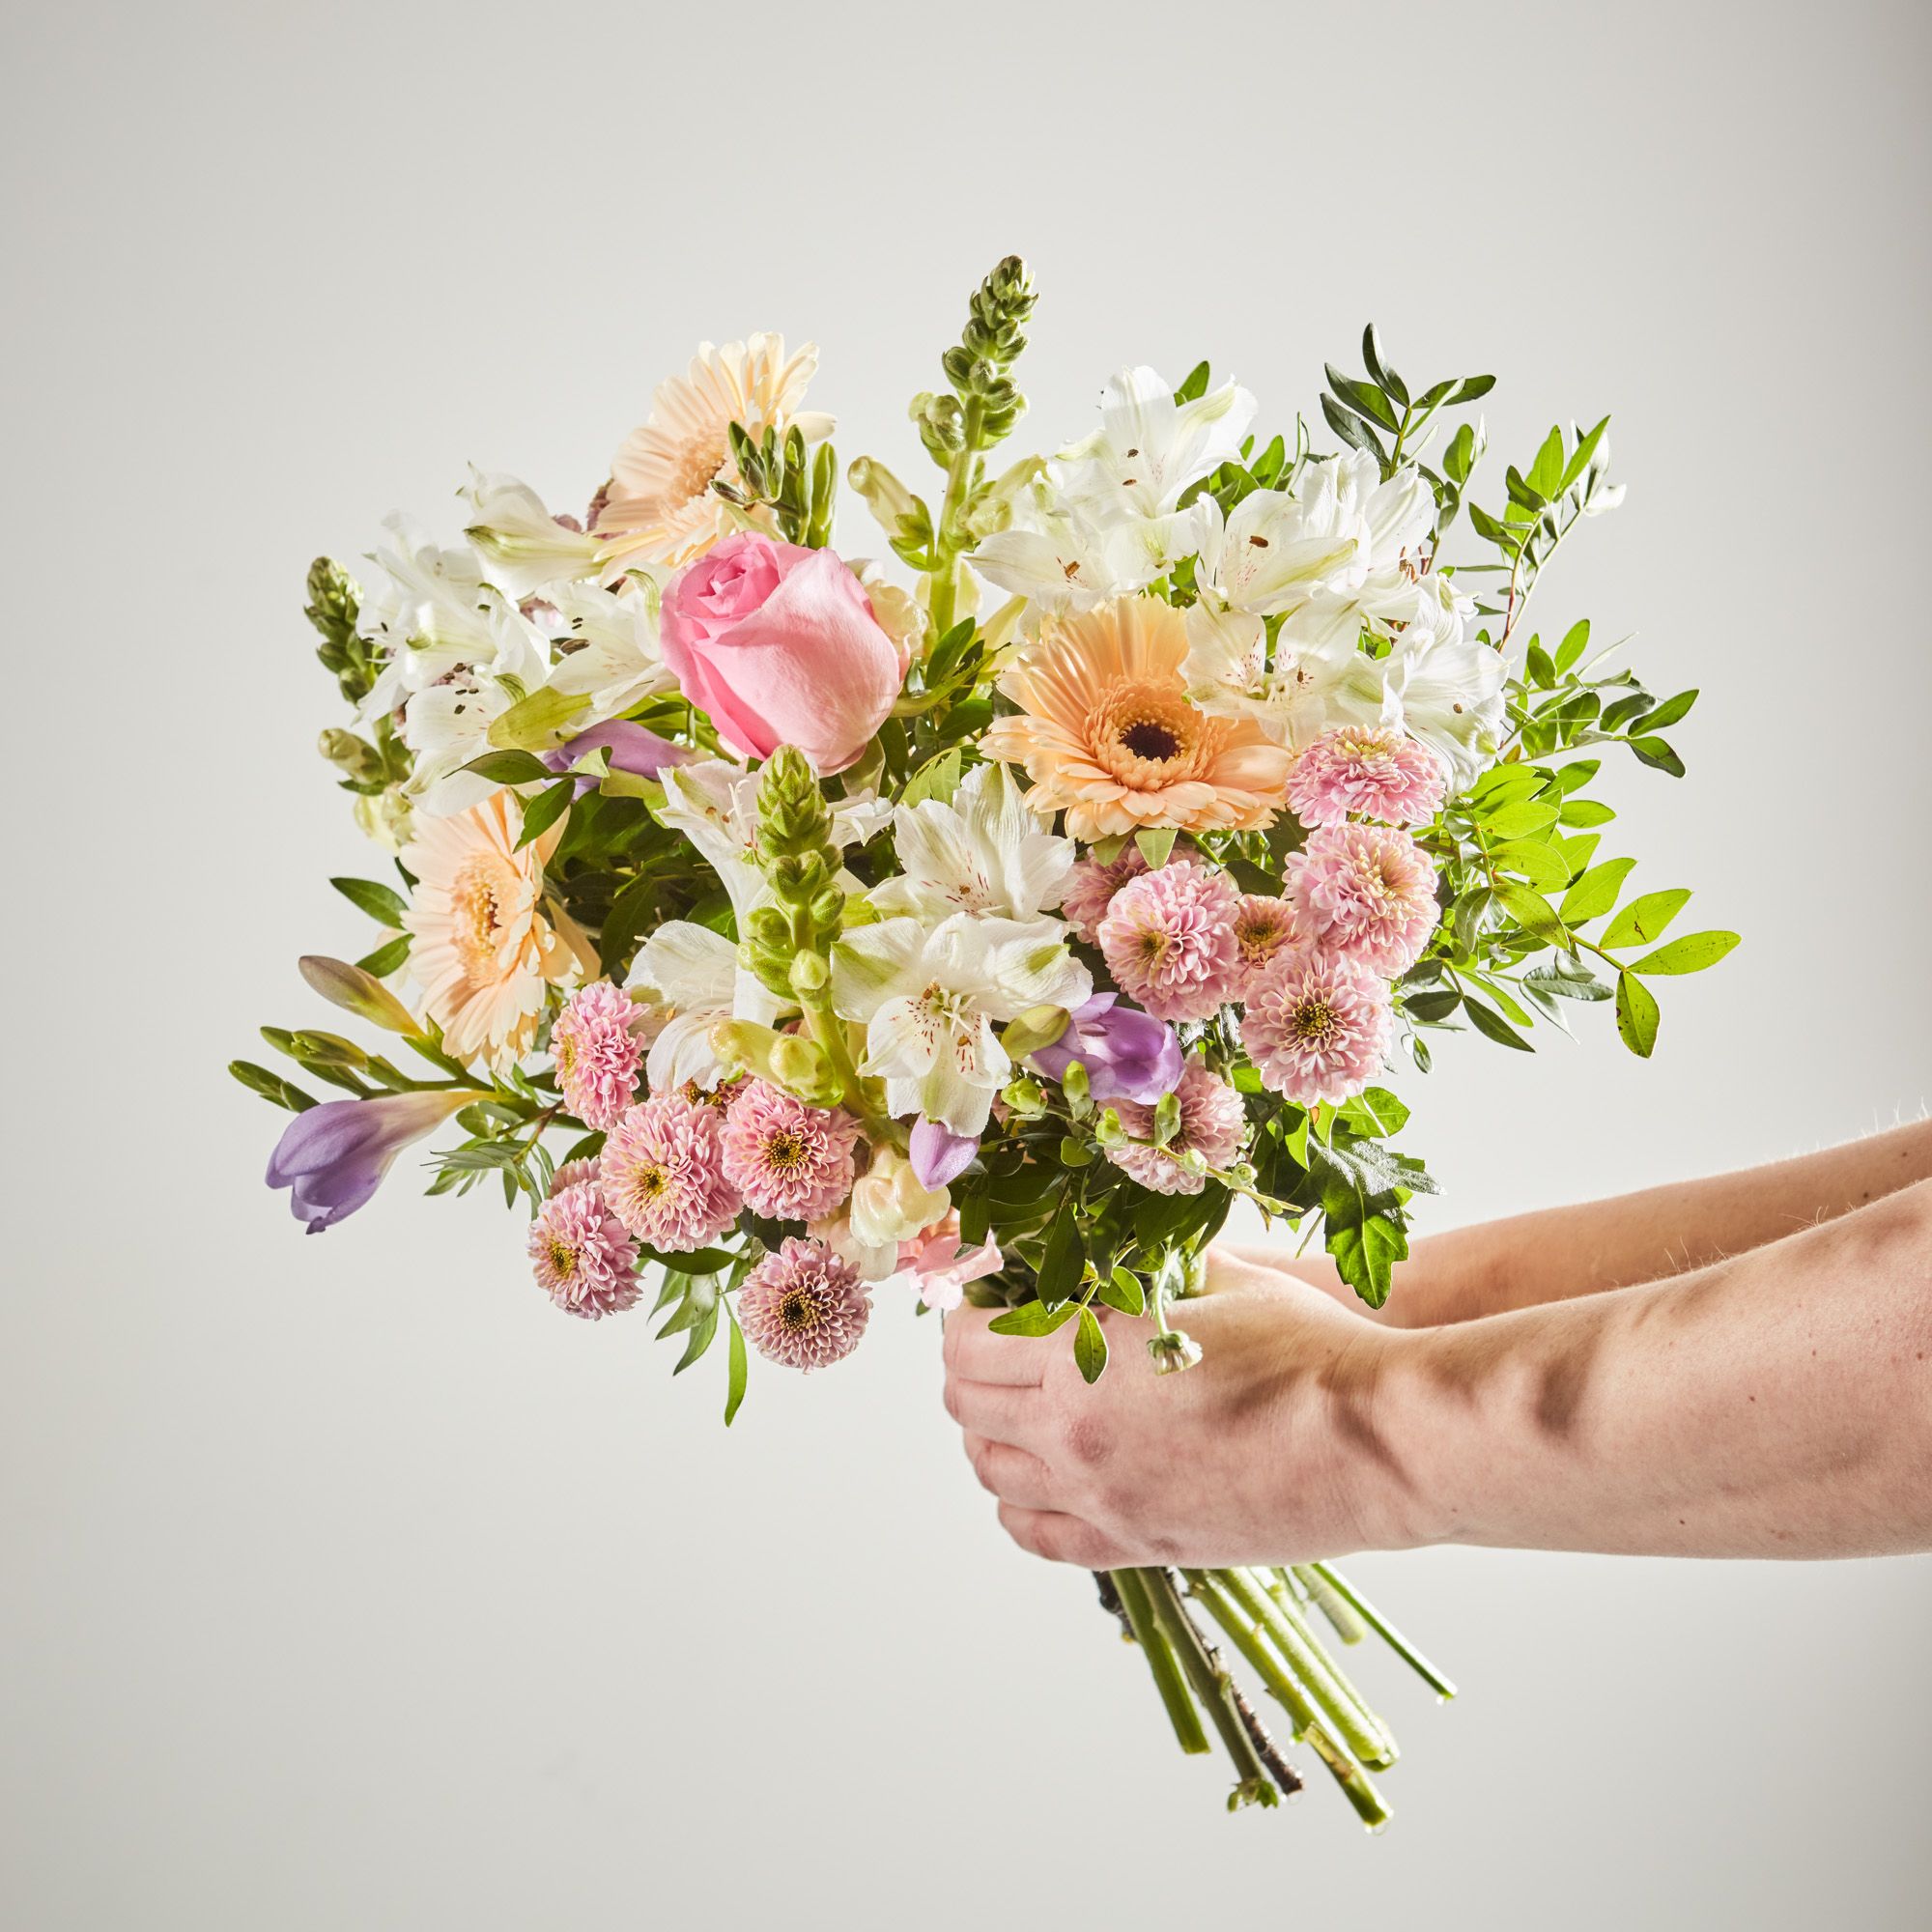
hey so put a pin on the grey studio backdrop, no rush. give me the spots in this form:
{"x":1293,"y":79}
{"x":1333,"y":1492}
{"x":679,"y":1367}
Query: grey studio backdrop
{"x":347,"y":1585}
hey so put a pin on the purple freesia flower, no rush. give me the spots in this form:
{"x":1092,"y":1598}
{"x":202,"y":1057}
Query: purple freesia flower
{"x":332,"y":1157}
{"x":938,"y":1155}
{"x":1128,"y":1054}
{"x":633,"y":749}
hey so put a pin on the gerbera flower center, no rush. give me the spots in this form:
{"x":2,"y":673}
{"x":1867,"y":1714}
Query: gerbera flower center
{"x":798,"y":1311}
{"x":478,"y":913}
{"x":698,"y":465}
{"x":1148,"y":738}
{"x":1141,"y":732}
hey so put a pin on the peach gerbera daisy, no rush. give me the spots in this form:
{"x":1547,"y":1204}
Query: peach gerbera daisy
{"x":660,"y":505}
{"x":1107,"y":735}
{"x":484,"y":952}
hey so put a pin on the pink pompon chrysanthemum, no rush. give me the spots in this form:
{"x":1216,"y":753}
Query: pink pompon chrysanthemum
{"x":790,"y":1161}
{"x":573,"y":1174}
{"x":1370,"y":893}
{"x":1263,"y":929}
{"x":803,"y":1306}
{"x":1317,"y":1029}
{"x":1169,"y":937}
{"x":583,"y":1256}
{"x":1366,"y":771}
{"x":1090,"y":887}
{"x":663,"y":1172}
{"x":597,"y":1052}
{"x":1212,"y":1124}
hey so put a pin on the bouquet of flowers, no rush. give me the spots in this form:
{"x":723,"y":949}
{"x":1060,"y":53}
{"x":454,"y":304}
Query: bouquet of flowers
{"x":793,"y":935}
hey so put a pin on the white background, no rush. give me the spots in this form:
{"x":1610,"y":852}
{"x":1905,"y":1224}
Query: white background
{"x":345,"y":1584}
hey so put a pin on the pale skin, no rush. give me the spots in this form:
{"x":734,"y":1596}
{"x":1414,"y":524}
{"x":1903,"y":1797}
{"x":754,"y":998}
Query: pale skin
{"x":1740,"y":1366}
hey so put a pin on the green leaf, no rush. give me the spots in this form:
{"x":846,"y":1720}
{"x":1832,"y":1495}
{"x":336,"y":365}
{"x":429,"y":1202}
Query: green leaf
{"x":1596,"y":892}
{"x":545,"y":809}
{"x":1195,"y":385}
{"x":1532,"y":912}
{"x":1637,"y":1016}
{"x":1690,"y":952}
{"x":1354,"y":432}
{"x":1564,"y":979}
{"x":1545,"y":474}
{"x":385,"y":961}
{"x":1656,"y":753}
{"x":1380,"y":373}
{"x":1155,"y":843}
{"x":702,"y":1332}
{"x":1032,"y":1319}
{"x":1576,"y":640}
{"x":1586,"y":811}
{"x":937,"y":778}
{"x":736,"y":1367}
{"x":1122,"y":1289}
{"x":1668,"y":713}
{"x":1543,"y":865}
{"x":1064,"y":1258}
{"x":1492,"y":1026}
{"x":1433,"y":1006}
{"x":1090,"y":1347}
{"x":1362,"y":399}
{"x":1522,"y":818}
{"x":383,"y":903}
{"x":1644,"y":918}
{"x":1470,"y":387}
{"x":511,"y":768}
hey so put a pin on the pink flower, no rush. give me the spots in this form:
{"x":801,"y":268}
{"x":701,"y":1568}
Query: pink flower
{"x":663,"y":1172}
{"x":803,"y":1306}
{"x":1369,"y":771}
{"x":1213,"y":1123}
{"x":573,"y":1174}
{"x":1369,"y":892}
{"x":779,"y":646}
{"x":597,"y":1052}
{"x":1317,"y":1028}
{"x":940,"y":1268}
{"x":792,"y":1163}
{"x":1263,"y":929}
{"x":1168,"y":938}
{"x":1090,"y":888}
{"x":584,"y":1258}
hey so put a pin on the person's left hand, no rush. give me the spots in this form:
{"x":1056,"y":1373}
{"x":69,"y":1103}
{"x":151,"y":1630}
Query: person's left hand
{"x":1264,"y":1452}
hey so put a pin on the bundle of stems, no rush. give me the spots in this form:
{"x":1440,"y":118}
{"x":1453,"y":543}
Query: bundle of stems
{"x":1265,"y":1615}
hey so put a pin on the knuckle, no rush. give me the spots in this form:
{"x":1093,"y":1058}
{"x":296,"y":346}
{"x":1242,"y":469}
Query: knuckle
{"x":951,"y":1398}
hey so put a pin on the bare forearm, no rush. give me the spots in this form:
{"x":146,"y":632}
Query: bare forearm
{"x":1563,"y":1252}
{"x":1778,"y":1403}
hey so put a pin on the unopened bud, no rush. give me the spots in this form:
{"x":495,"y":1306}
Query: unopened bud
{"x":1173,"y":1350}
{"x":810,"y":974}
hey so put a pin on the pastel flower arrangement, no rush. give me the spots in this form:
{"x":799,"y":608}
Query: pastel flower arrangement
{"x":795,"y":935}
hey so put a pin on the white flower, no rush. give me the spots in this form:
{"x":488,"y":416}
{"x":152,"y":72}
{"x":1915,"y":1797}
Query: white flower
{"x":616,"y":663}
{"x":428,"y":613}
{"x":447,"y":724}
{"x":1148,"y":448}
{"x":890,"y":1204}
{"x":929,"y":999}
{"x":526,"y":546}
{"x":692,"y":973}
{"x":982,"y":853}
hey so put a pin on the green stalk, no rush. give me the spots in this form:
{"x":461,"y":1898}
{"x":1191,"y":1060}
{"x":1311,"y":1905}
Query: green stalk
{"x":1343,"y":1617}
{"x":958,"y":475}
{"x":1285,"y":1629}
{"x":1214,"y":1687}
{"x":1357,"y":1787}
{"x":1160,"y":1654}
{"x":1386,"y":1631}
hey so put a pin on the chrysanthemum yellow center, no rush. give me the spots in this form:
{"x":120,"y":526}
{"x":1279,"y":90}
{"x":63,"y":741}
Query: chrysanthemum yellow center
{"x":799,"y":1311}
{"x":788,"y":1149}
{"x":648,"y":1182}
{"x":562,"y":1257}
{"x":564,"y":1052}
{"x":1314,"y":1022}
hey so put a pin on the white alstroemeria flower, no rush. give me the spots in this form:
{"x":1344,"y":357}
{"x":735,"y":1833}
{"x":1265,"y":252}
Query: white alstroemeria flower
{"x":1451,"y":696}
{"x":428,"y":611}
{"x":525,"y":547}
{"x":1273,"y":550}
{"x":715,"y":804}
{"x":1148,"y":448}
{"x":982,"y":853}
{"x":929,"y":996}
{"x":446,"y":723}
{"x":1051,"y":555}
{"x":694,"y":973}
{"x":616,"y":663}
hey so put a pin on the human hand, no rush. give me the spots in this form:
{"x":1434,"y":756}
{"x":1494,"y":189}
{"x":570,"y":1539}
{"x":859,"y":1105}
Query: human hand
{"x":1264,"y":1452}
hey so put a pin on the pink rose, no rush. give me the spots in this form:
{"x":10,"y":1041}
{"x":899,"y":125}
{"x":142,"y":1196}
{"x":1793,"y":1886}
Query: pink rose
{"x":779,"y":646}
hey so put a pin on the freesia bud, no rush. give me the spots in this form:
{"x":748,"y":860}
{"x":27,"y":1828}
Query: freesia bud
{"x":360,"y":993}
